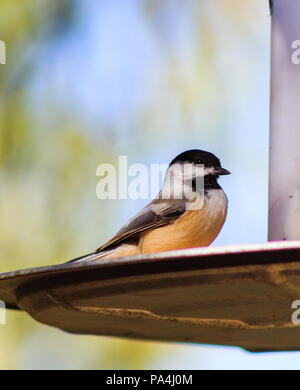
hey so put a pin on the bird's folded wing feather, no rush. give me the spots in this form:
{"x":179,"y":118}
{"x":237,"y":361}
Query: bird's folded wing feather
{"x":155,"y":214}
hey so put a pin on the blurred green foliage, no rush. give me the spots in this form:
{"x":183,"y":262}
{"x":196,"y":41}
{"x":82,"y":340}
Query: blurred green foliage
{"x":47,"y":179}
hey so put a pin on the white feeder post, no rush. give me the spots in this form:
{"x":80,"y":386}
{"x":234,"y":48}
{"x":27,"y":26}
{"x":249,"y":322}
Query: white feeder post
{"x":284,"y":181}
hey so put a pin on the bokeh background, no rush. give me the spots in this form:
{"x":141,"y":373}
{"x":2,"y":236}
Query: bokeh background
{"x":87,"y":81}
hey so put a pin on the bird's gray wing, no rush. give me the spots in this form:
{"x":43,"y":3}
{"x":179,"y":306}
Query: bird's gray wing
{"x":157,"y":213}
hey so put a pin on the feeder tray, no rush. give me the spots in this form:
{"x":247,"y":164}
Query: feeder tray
{"x":239,"y":295}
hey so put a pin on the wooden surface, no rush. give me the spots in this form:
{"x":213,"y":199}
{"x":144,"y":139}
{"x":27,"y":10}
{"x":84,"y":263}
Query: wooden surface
{"x":235,"y":295}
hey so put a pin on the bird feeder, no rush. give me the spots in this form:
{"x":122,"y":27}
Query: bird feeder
{"x":244,"y":295}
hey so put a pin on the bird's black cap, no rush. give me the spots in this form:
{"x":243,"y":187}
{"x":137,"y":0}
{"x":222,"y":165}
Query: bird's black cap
{"x":197,"y":156}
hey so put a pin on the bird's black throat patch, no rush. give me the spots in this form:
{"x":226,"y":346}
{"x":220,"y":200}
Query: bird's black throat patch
{"x":210,"y":182}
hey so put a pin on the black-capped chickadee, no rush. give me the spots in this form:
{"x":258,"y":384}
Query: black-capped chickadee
{"x":185,"y":214}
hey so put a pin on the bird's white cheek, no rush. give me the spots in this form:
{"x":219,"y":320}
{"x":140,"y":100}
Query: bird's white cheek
{"x":172,"y":187}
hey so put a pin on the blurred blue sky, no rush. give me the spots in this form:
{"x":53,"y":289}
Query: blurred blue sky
{"x":113,"y":67}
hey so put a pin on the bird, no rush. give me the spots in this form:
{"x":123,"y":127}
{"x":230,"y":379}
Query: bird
{"x":188,"y":212}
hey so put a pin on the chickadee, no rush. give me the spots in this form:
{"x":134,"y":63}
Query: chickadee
{"x":183,"y":215}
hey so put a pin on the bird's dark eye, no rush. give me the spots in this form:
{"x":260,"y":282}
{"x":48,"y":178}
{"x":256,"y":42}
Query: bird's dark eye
{"x":200,"y":162}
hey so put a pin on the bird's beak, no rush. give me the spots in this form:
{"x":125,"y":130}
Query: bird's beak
{"x":221,"y":171}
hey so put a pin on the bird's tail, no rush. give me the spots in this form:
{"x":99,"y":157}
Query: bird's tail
{"x":89,"y":257}
{"x":115,"y":253}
